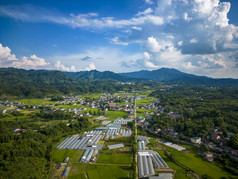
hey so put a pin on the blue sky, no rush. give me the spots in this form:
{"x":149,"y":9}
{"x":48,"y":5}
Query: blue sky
{"x":194,"y":36}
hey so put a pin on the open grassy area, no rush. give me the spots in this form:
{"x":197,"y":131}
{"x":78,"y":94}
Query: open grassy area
{"x":97,"y":171}
{"x":35,"y":101}
{"x":60,"y":155}
{"x":180,"y":172}
{"x":10,"y":117}
{"x":93,"y":95}
{"x":116,"y":114}
{"x":145,"y":100}
{"x":115,"y":159}
{"x":199,"y":165}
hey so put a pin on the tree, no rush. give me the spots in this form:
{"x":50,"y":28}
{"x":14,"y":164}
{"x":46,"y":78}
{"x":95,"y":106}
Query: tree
{"x":233,"y":142}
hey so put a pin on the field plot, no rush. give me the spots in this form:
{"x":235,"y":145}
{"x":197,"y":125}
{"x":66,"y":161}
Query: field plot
{"x":74,"y":155}
{"x":198,"y":165}
{"x":145,"y":100}
{"x":115,"y":159}
{"x":98,"y":171}
{"x":180,"y":172}
{"x":116,"y":114}
{"x":35,"y":101}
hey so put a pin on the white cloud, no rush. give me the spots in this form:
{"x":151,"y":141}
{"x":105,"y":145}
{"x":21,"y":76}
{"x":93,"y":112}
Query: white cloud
{"x":152,"y":45}
{"x":9,"y":60}
{"x":180,"y":43}
{"x":6,"y":56}
{"x":145,"y":12}
{"x":146,"y":55}
{"x":137,"y":28}
{"x":89,"y":20}
{"x":149,"y":2}
{"x":59,"y":66}
{"x":192,"y":35}
{"x":32,"y":62}
{"x":90,"y":67}
{"x":193,"y":41}
{"x":117,"y":41}
{"x":189,"y":66}
{"x":186,"y":18}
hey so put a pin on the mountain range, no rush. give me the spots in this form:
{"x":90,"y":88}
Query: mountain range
{"x":166,"y":75}
{"x":161,"y":75}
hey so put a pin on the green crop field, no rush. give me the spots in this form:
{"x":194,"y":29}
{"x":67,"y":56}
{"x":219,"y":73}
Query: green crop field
{"x":180,"y":172}
{"x":35,"y":101}
{"x":116,"y":114}
{"x":115,"y":159}
{"x":97,"y":171}
{"x":77,"y":176}
{"x":60,"y":155}
{"x":145,"y":100}
{"x":198,"y":165}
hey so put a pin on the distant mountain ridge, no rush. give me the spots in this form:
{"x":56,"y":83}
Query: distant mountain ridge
{"x":34,"y":76}
{"x":166,"y":75}
{"x":106,"y":75}
{"x":173,"y":75}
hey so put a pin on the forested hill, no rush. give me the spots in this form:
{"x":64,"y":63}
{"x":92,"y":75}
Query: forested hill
{"x":13,"y":75}
{"x":176,"y":76}
{"x":106,"y":75}
{"x":41,"y":83}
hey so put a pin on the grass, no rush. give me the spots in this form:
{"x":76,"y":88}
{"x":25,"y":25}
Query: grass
{"x":115,"y":159}
{"x":60,"y":155}
{"x":116,"y":114}
{"x":145,"y":100}
{"x":93,"y":95}
{"x":152,"y":140}
{"x":35,"y":101}
{"x":180,"y":172}
{"x":198,"y":165}
{"x":77,"y":176}
{"x":189,"y":147}
{"x":97,"y":171}
{"x":11,"y":117}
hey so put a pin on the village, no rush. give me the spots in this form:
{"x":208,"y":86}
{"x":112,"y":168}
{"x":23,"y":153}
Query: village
{"x":98,"y":109}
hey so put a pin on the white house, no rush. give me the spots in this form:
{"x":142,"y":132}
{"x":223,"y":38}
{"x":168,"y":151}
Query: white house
{"x":196,"y":140}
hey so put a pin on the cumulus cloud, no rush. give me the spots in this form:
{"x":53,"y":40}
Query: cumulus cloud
{"x":190,"y":35}
{"x":32,"y":62}
{"x":90,"y":67}
{"x":59,"y":66}
{"x":202,"y":37}
{"x":7,"y":59}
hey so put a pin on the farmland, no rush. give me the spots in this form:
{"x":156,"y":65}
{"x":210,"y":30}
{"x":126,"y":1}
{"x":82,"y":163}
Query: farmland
{"x":61,"y":120}
{"x":98,"y":171}
{"x":115,"y":159}
{"x":197,"y":164}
